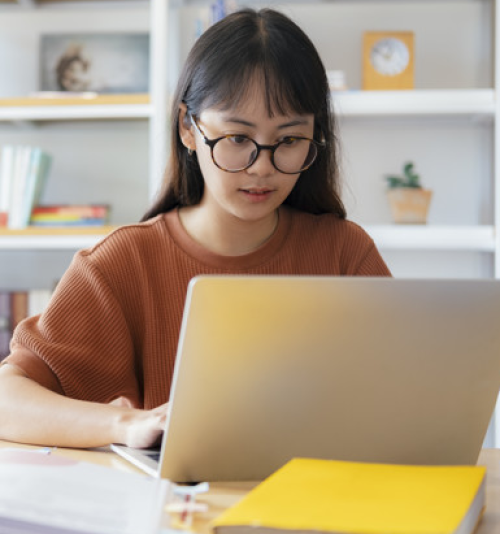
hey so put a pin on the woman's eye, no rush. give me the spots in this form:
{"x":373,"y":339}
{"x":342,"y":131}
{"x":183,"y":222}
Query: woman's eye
{"x":289,"y":140}
{"x":238,"y":139}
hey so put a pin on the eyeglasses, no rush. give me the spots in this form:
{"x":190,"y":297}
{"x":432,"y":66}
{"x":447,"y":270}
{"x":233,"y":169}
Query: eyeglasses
{"x":235,"y":153}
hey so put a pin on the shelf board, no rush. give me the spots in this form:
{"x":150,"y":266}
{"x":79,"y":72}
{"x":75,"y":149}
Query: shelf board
{"x":45,"y":238}
{"x":454,"y":102}
{"x":433,"y":237}
{"x":123,"y":106}
{"x":387,"y":237}
{"x":44,"y":3}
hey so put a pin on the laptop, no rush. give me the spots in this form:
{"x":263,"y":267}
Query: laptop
{"x":348,"y":368}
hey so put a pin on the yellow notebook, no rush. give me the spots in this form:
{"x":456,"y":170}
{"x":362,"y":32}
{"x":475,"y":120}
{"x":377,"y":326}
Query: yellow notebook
{"x":309,"y":495}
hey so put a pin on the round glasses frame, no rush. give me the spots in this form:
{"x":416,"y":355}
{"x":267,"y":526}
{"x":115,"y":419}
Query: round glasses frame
{"x":212,"y":142}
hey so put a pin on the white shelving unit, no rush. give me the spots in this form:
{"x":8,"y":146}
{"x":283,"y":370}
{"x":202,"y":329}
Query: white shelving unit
{"x":447,"y":125}
{"x":473,"y":104}
{"x":20,"y":113}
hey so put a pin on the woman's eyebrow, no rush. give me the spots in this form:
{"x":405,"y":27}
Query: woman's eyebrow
{"x":243,"y":122}
{"x":295,"y":122}
{"x":237,"y":120}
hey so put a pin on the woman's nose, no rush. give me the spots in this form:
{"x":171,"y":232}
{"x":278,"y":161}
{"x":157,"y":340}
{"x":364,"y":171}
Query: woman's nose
{"x":263,"y":165}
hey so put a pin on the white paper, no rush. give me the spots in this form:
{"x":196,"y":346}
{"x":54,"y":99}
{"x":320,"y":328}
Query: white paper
{"x":68,"y":496}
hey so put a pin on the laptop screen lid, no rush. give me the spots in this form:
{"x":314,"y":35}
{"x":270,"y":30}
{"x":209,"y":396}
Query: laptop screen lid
{"x":362,"y":369}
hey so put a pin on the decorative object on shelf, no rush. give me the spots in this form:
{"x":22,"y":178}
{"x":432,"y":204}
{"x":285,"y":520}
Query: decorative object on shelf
{"x":336,"y":80}
{"x":409,"y":201}
{"x":221,"y":8}
{"x":388,"y":60}
{"x":104,"y":63}
{"x":217,"y":10}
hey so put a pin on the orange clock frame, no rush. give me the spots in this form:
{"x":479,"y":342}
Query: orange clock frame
{"x":374,"y":80}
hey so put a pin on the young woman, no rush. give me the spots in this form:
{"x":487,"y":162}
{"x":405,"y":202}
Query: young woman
{"x":251,"y":188}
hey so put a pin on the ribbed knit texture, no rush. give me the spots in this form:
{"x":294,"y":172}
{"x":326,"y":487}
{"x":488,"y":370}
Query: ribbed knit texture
{"x":112,"y":326}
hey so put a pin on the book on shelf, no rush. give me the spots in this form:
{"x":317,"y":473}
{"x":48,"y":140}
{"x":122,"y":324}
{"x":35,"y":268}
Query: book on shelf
{"x":16,"y":306}
{"x":46,"y":492}
{"x":23,"y":174}
{"x":5,"y":325}
{"x":70,"y":215}
{"x":337,"y":497}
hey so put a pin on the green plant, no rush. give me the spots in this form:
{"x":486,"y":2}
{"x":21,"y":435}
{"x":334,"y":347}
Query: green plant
{"x":408,"y":179}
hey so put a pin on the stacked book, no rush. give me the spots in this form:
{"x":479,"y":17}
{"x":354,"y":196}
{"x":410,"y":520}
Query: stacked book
{"x":70,"y":215}
{"x":23,"y":173}
{"x":16,"y":306}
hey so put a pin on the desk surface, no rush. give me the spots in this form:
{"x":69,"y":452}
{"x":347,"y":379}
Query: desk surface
{"x":224,"y":494}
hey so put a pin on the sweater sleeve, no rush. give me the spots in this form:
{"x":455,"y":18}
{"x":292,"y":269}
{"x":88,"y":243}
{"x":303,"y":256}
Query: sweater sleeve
{"x":372,"y":264}
{"x":361,"y":256}
{"x":82,"y":341}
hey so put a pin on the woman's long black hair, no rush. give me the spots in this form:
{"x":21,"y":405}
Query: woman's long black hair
{"x":218,"y":72}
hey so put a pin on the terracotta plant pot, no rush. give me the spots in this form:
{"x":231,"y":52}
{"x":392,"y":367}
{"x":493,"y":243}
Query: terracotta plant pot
{"x":409,"y":205}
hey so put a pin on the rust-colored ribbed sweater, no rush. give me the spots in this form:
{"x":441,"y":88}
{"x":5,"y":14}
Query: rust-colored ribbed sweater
{"x":112,"y":326}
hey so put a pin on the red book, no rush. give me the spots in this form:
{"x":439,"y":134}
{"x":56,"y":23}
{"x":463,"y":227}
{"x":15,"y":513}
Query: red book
{"x":5,"y":331}
{"x":18,"y":307}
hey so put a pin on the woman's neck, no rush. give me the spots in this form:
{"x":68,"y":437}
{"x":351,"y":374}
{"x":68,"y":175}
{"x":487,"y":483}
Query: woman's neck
{"x":227,"y":235}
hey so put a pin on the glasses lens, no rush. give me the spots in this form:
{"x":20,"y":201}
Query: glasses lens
{"x":294,"y":155}
{"x":234,"y":153}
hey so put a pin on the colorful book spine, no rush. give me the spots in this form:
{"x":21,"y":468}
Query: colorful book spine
{"x":24,"y":171}
{"x":23,"y":174}
{"x":70,"y":215}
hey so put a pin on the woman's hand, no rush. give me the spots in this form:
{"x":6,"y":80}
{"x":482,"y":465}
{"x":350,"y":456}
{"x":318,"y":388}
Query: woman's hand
{"x":143,"y":428}
{"x":30,"y":413}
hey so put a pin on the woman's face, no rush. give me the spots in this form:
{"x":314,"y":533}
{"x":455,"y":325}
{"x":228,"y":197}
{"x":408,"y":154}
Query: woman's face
{"x":254,"y":193}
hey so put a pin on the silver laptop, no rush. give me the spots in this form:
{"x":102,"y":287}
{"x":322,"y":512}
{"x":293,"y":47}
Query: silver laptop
{"x":361,"y":369}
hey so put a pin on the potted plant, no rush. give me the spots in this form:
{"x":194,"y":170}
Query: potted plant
{"x":409,"y":201}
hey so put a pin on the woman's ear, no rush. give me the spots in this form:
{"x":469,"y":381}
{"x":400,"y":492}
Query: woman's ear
{"x":186,"y":128}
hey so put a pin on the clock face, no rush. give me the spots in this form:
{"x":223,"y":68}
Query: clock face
{"x":389,"y":56}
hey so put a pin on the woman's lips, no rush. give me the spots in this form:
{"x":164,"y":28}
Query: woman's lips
{"x":257,"y":194}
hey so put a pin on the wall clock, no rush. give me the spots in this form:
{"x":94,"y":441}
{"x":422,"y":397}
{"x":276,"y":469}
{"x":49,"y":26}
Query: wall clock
{"x":388,"y":60}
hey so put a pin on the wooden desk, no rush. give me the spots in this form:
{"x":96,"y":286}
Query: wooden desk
{"x":224,"y":494}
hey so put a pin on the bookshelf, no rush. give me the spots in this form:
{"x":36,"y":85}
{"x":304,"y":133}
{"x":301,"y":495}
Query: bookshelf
{"x":470,"y":103}
{"x":447,"y":126}
{"x":444,"y":98}
{"x":133,"y":126}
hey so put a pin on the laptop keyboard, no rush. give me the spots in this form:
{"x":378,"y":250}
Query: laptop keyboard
{"x":153,"y":453}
